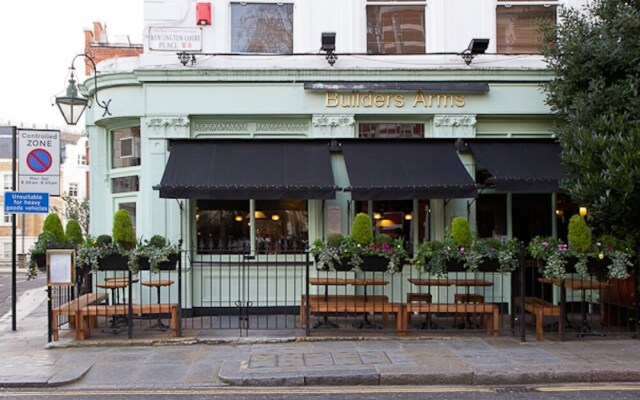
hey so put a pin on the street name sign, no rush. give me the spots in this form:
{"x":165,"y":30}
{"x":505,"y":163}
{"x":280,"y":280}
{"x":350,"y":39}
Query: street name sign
{"x":26,"y":203}
{"x":39,"y":161}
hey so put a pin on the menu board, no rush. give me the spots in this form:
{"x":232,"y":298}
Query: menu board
{"x":60,"y":267}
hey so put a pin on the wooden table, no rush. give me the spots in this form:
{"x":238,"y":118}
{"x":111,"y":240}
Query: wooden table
{"x":576,"y":284}
{"x":158,"y":284}
{"x":115,"y":284}
{"x":326,"y":282}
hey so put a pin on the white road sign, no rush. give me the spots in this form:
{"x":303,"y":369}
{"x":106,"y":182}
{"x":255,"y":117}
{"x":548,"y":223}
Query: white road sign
{"x":39,"y":161}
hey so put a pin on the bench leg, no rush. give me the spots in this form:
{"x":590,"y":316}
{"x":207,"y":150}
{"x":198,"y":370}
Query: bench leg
{"x":81,"y":332}
{"x":402,"y":321}
{"x":539,"y":320}
{"x":54,"y":325}
{"x":496,"y":321}
{"x":174,"y":321}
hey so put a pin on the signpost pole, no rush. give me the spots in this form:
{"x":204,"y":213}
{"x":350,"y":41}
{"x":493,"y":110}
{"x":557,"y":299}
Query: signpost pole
{"x":14,"y":324}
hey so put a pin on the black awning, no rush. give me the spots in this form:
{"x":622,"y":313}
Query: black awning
{"x":248,"y":169}
{"x":521,"y":165}
{"x":405,"y":169}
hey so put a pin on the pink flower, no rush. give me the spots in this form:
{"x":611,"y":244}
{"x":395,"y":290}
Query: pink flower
{"x":461,"y":250}
{"x":545,"y":245}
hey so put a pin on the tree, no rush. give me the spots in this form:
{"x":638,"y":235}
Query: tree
{"x":74,"y":209}
{"x":595,"y":56}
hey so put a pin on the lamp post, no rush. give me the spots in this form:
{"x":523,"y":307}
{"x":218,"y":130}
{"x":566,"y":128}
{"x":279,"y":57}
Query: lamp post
{"x":72,"y":104}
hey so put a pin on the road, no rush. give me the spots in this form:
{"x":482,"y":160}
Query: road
{"x":583,"y":392}
{"x":22,"y":286}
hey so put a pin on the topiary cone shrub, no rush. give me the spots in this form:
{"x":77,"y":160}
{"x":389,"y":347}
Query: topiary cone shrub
{"x":123,"y":233}
{"x":579,"y":235}
{"x":461,"y":232}
{"x":361,"y":231}
{"x":73,"y":233}
{"x":53,"y":226}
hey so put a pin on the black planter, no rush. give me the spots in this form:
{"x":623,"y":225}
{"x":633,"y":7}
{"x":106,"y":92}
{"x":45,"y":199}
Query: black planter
{"x":41,"y":261}
{"x":489,"y":265}
{"x":170,"y":265}
{"x":374,"y":264}
{"x":455,"y":266}
{"x":343,"y":266}
{"x":114,"y":262}
{"x":598,"y":268}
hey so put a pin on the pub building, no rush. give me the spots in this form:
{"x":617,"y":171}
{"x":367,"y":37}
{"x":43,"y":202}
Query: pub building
{"x":255,"y":128}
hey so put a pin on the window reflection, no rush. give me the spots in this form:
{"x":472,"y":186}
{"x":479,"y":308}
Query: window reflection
{"x":262,"y":28}
{"x":518,"y":29}
{"x":396,"y":29}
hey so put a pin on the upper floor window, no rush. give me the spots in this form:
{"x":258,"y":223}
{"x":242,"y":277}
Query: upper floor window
{"x":73,"y":189}
{"x":262,"y":28}
{"x":518,"y":27}
{"x":82,"y":159}
{"x":390,"y":130}
{"x":395,"y":29}
{"x":125,"y":147}
{"x":7,"y":182}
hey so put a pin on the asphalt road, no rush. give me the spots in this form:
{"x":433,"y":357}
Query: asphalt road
{"x":22,"y":285}
{"x":617,"y":392}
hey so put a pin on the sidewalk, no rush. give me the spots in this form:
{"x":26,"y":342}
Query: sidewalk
{"x":29,"y":361}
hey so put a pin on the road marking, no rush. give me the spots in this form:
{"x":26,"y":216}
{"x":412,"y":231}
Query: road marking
{"x":588,"y":388}
{"x":235,"y":391}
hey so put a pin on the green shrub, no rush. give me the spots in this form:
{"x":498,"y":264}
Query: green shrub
{"x":334,"y":240}
{"x":461,"y":232}
{"x":53,"y":225}
{"x":361,"y":231}
{"x":158,"y":241}
{"x":123,"y":233}
{"x":103,"y":240}
{"x":579,"y":236}
{"x":383,"y":239}
{"x":73,"y":233}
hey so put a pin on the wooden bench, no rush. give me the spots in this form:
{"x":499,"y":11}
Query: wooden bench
{"x":491,"y":310}
{"x":539,"y":308}
{"x":89,"y":312}
{"x":72,"y":308}
{"x":356,"y":304}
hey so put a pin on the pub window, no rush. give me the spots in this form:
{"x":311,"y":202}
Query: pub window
{"x":390,"y":130}
{"x":125,"y":184}
{"x":224,"y":227}
{"x":394,"y":218}
{"x":262,"y":28}
{"x":518,"y":26}
{"x":491,"y":215}
{"x":125,"y":147}
{"x":395,"y":28}
{"x":130,"y":208}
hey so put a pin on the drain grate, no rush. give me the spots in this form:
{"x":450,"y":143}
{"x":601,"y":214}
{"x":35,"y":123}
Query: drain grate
{"x":515,"y":390}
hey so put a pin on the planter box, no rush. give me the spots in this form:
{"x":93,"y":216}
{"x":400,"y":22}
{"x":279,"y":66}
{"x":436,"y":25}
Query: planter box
{"x":374,"y":264}
{"x":114,"y":262}
{"x":170,"y":265}
{"x":455,"y":266}
{"x":343,"y":266}
{"x":41,"y":261}
{"x":489,"y":265}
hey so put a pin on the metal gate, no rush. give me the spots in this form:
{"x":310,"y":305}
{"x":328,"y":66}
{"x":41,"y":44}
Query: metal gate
{"x":244,"y":295}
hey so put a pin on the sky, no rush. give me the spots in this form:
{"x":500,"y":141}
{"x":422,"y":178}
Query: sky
{"x":39,"y":38}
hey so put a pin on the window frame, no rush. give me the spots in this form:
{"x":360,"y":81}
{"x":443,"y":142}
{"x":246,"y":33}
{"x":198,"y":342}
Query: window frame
{"x":397,"y":3}
{"x":521,"y":4}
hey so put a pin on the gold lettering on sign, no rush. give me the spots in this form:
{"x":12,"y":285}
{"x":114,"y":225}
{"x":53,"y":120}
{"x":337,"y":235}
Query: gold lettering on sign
{"x":369,"y":99}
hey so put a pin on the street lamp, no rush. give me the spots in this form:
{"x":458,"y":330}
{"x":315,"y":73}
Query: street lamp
{"x":72,"y":105}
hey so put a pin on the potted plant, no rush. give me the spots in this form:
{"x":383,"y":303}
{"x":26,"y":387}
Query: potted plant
{"x":154,"y":255}
{"x":461,"y":251}
{"x":605,"y":258}
{"x":114,"y":256}
{"x":381,"y":255}
{"x":334,"y":255}
{"x":52,"y":237}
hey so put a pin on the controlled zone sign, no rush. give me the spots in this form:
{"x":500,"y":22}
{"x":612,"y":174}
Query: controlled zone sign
{"x":39,"y":161}
{"x":26,"y":203}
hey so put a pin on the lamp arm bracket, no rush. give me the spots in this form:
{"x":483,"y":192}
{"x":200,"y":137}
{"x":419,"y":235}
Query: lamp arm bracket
{"x":102,"y":104}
